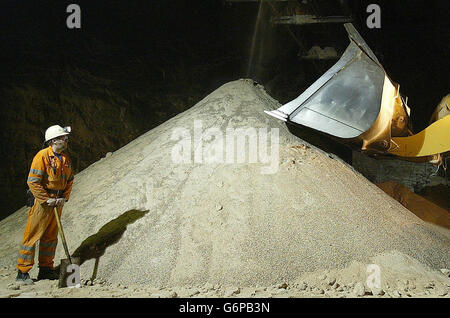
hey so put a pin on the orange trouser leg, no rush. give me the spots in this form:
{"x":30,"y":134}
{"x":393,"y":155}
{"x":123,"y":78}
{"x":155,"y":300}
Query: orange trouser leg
{"x":39,"y":217}
{"x":48,"y":242}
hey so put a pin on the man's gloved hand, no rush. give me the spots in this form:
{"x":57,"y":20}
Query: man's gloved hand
{"x":51,"y":202}
{"x":60,"y":201}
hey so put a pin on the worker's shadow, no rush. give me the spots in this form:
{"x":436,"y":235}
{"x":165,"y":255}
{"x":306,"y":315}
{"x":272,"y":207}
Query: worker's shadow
{"x":110,"y":233}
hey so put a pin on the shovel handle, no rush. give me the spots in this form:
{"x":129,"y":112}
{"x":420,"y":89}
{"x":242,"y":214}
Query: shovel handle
{"x":61,"y":233}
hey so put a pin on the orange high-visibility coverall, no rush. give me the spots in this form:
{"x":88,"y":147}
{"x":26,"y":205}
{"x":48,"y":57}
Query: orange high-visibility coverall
{"x":47,"y":174}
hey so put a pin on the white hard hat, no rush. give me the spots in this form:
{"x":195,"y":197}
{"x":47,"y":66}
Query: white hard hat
{"x":56,"y":131}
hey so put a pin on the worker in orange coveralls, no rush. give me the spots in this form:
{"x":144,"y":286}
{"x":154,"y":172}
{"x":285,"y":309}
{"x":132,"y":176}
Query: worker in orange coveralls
{"x":50,"y":181}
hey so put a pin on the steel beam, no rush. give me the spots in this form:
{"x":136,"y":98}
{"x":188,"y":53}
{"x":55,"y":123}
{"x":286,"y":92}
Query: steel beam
{"x":310,"y":19}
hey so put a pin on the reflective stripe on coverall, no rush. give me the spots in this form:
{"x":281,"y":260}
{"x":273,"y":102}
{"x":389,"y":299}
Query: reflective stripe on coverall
{"x":47,"y":172}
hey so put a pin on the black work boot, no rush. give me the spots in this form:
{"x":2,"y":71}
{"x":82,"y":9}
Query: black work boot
{"x":48,"y":273}
{"x":24,"y":278}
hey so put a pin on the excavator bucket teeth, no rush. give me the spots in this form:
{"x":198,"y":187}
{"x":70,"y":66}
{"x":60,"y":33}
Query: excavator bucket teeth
{"x":346,"y":100}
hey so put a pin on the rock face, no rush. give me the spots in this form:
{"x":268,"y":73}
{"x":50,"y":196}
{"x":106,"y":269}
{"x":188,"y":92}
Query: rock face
{"x":413,"y":175}
{"x":222,"y":219}
{"x":104,"y":116}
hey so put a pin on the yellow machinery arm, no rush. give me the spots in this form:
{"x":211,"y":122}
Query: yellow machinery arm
{"x":434,"y":139}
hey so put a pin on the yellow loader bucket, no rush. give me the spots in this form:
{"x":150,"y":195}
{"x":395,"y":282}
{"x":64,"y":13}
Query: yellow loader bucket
{"x":356,"y":102}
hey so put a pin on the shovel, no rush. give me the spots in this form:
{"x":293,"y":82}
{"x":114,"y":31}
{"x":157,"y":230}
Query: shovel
{"x":64,"y":262}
